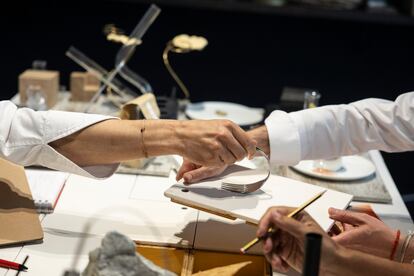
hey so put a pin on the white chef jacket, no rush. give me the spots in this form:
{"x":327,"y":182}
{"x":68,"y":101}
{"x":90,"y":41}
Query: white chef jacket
{"x":336,"y":130}
{"x":25,"y":136}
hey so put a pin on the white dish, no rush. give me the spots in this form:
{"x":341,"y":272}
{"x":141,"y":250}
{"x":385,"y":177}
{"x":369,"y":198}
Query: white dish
{"x":240,"y":114}
{"x":354,"y":167}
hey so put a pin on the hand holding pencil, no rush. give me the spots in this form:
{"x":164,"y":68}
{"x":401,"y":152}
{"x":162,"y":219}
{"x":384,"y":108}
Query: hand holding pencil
{"x":271,"y":230}
{"x":285,"y":248}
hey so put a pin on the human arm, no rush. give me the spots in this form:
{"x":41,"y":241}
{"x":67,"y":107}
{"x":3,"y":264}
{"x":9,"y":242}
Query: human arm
{"x":68,"y":141}
{"x":368,"y":234}
{"x":285,"y":248}
{"x":203,"y":142}
{"x":25,"y":137}
{"x":335,"y":130}
{"x":191,"y":172}
{"x":332,"y":131}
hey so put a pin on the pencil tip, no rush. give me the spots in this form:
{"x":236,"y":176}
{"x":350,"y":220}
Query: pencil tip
{"x":242,"y":251}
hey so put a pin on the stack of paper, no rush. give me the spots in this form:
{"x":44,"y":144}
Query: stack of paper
{"x":46,"y":187}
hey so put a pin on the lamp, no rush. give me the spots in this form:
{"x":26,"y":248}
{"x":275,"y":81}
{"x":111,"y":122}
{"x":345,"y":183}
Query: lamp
{"x":182,"y":44}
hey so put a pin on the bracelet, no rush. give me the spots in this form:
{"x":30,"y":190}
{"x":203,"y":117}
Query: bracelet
{"x":405,"y":246}
{"x":394,"y":246}
{"x":144,"y":149}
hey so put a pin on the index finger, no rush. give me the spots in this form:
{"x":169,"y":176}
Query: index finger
{"x":266,"y":221}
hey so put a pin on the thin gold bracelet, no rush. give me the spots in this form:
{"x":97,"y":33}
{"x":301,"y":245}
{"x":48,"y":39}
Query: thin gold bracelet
{"x":144,"y":149}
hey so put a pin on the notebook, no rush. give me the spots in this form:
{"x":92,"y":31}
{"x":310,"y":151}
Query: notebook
{"x":208,"y":196}
{"x":18,"y":218}
{"x":46,"y":187}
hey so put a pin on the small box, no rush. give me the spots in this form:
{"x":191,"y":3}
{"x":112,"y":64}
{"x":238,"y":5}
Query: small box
{"x":48,"y":81}
{"x":83,"y":86}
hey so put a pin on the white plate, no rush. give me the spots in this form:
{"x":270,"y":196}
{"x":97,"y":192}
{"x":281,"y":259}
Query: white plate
{"x":240,"y":114}
{"x":355,"y":167}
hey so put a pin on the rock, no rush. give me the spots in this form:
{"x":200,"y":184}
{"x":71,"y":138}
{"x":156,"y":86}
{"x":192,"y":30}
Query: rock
{"x":117,"y":257}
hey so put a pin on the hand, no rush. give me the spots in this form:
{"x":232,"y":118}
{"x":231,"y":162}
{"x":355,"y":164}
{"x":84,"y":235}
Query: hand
{"x":214,"y":142}
{"x":363,"y":232}
{"x":193,"y":173}
{"x":285,"y":248}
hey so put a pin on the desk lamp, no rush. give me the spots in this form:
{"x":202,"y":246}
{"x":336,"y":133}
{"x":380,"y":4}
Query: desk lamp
{"x":180,"y":44}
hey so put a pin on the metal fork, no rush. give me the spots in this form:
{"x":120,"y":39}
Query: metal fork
{"x":251,"y":187}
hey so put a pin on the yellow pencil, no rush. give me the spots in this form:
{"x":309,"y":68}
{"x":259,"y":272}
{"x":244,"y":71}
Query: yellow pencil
{"x":271,"y":230}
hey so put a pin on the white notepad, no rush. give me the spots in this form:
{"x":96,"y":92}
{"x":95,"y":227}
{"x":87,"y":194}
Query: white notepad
{"x":207,"y":195}
{"x":46,"y":187}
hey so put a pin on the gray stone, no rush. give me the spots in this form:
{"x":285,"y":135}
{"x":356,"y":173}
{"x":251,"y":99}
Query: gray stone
{"x":117,"y":257}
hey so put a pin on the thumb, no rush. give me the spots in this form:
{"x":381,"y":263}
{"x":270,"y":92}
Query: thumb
{"x":200,"y":173}
{"x":346,"y":216}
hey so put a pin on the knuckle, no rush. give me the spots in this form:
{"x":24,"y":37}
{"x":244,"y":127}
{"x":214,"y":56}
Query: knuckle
{"x":216,"y":146}
{"x":222,"y":133}
{"x":228,"y":123}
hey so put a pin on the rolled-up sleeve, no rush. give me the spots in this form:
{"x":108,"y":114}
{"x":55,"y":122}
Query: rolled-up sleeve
{"x":336,"y":130}
{"x":25,"y":136}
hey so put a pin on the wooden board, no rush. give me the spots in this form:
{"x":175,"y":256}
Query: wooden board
{"x":277,"y":191}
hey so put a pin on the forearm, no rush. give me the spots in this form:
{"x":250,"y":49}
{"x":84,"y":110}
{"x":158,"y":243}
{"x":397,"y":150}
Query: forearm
{"x":336,"y":130}
{"x":351,"y":262}
{"x":113,"y":141}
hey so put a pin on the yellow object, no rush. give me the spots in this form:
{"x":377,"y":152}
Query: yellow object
{"x":182,"y":44}
{"x":186,"y":262}
{"x":146,"y":103}
{"x":292,"y":214}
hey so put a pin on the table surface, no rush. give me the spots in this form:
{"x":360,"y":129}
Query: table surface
{"x":135,"y":205}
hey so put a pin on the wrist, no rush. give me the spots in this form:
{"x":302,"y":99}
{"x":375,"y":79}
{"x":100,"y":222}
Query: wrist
{"x":395,"y":245}
{"x":337,"y":262}
{"x":400,"y":246}
{"x":261,"y":136}
{"x":407,"y":248}
{"x":178,"y":131}
{"x":160,"y":137}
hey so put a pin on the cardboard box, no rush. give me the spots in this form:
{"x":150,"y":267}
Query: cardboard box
{"x":48,"y":81}
{"x":83,"y":86}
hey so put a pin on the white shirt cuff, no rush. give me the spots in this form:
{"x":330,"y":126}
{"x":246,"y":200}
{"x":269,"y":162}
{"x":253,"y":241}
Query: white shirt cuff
{"x":56,"y":126}
{"x":284,"y":138}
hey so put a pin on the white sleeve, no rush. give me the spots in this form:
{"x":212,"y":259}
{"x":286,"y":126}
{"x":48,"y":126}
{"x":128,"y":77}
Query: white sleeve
{"x":336,"y":130}
{"x":25,"y":136}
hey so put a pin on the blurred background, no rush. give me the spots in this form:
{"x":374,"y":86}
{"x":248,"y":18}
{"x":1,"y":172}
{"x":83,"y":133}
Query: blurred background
{"x":346,"y":49}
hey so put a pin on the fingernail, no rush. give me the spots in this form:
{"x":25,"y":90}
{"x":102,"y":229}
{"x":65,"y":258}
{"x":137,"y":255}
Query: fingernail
{"x":333,"y":211}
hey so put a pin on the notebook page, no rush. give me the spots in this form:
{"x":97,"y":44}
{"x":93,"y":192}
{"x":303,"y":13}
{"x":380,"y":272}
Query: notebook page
{"x":46,"y":186}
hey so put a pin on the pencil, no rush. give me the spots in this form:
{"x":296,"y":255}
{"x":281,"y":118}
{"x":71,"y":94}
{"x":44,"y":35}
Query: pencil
{"x":272,"y":230}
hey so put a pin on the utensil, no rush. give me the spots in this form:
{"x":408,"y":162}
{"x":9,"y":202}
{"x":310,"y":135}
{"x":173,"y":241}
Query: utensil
{"x":247,"y":183}
{"x":272,"y":230}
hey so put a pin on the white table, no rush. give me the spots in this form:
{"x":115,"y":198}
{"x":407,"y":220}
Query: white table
{"x":135,"y":205}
